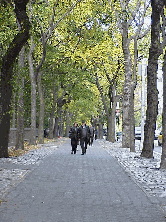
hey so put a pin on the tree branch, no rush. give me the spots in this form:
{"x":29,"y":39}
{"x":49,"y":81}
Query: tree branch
{"x":56,"y":24}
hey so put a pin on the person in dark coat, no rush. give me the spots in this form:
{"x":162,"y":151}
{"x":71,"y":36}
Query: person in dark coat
{"x":73,"y":134}
{"x":84,"y":136}
{"x":91,"y":135}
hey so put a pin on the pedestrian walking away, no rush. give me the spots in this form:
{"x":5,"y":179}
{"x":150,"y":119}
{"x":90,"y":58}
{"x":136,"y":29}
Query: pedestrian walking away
{"x":73,"y":134}
{"x":84,"y":135}
{"x":96,"y":134}
{"x":91,"y":135}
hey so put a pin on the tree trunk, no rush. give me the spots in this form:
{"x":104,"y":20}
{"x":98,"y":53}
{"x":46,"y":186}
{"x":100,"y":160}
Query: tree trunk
{"x":163,"y":156}
{"x":126,"y":89}
{"x":133,"y":86}
{"x":100,"y":128}
{"x":56,"y":127}
{"x":41,"y":115}
{"x":14,"y":111}
{"x":67,"y":124}
{"x":61,"y":126}
{"x":132,"y":122}
{"x":20,"y":106}
{"x":152,"y":92}
{"x":7,"y":74}
{"x":51,"y":127}
{"x":51,"y":123}
{"x":33,"y":96}
{"x":111,"y":125}
{"x":57,"y":119}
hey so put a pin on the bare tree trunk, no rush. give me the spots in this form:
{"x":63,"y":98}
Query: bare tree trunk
{"x":51,"y":127}
{"x":14,"y":111}
{"x":152,"y":92}
{"x":7,"y":74}
{"x":113,"y":116}
{"x":100,"y":128}
{"x":33,"y":95}
{"x":132,"y":122}
{"x":126,"y":89}
{"x":111,"y":125}
{"x":51,"y":123}
{"x":57,"y":119}
{"x":61,"y":126}
{"x":67,"y":124}
{"x":60,"y":103}
{"x":56,"y":127}
{"x":20,"y":106}
{"x":41,"y":115}
{"x":163,"y":156}
{"x":109,"y":112}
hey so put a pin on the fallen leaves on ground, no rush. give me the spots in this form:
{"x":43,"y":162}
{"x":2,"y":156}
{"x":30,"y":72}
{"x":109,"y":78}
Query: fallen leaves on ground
{"x":13,"y":152}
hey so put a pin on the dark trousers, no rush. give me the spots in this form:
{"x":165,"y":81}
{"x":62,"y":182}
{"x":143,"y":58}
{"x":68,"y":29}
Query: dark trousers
{"x":91,"y":140}
{"x":74,"y":144}
{"x":83,"y":143}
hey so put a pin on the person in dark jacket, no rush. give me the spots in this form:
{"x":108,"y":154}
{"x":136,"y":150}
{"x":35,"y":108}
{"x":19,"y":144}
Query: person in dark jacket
{"x":73,"y":134}
{"x":84,"y":136}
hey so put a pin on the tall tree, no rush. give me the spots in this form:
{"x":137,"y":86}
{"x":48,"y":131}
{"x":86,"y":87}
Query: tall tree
{"x":152,"y":92}
{"x":33,"y":94}
{"x":163,"y":160}
{"x":131,"y":27}
{"x":111,"y":111}
{"x":7,"y":73}
{"x":20,"y":105}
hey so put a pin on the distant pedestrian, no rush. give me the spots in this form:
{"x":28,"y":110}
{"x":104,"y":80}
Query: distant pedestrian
{"x":96,"y":134}
{"x":91,"y":135}
{"x":46,"y":132}
{"x":73,"y":134}
{"x":84,"y":135}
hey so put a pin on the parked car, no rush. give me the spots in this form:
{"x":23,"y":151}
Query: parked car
{"x":138,"y":133}
{"x":160,"y":139}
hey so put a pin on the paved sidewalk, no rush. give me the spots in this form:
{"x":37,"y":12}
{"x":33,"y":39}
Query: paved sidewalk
{"x":89,"y":188}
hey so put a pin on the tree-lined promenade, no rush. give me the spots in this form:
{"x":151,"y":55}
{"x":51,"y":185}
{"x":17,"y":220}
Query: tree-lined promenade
{"x":65,"y":61}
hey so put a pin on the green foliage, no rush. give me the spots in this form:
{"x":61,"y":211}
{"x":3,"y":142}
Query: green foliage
{"x":87,"y":37}
{"x":8,"y":28}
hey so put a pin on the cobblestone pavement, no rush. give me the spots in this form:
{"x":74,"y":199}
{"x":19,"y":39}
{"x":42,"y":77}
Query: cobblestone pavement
{"x":67,"y":188}
{"x":13,"y":169}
